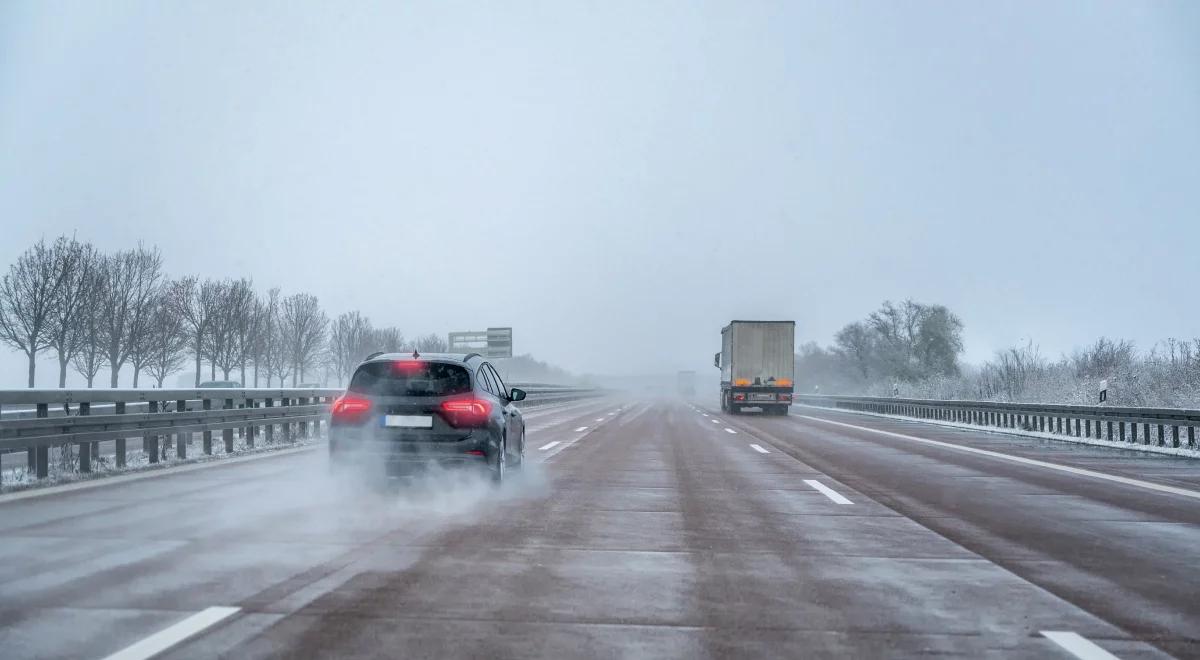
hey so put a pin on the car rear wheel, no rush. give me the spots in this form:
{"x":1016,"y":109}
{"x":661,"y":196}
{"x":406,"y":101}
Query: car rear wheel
{"x":501,"y":463}
{"x":520,"y":459}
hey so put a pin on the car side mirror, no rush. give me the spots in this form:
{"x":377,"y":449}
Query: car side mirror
{"x":516,"y":394}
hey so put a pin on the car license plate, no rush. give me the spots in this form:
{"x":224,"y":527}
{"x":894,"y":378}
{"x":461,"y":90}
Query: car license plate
{"x":408,"y":421}
{"x":762,"y":397}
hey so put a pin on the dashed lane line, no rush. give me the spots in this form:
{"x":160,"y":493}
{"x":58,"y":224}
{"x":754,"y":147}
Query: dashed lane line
{"x":1077,"y":645}
{"x":549,"y":445}
{"x":827,"y":491}
{"x":172,"y":635}
{"x":581,"y":429}
{"x":729,"y":430}
{"x":759,"y":449}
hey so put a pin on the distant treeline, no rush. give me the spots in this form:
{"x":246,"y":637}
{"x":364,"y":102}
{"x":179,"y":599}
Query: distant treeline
{"x":913,"y":350}
{"x":96,"y":311}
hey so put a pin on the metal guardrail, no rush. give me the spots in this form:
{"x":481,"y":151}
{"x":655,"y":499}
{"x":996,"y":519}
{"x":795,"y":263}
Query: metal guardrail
{"x":1099,"y":422}
{"x":53,"y":418}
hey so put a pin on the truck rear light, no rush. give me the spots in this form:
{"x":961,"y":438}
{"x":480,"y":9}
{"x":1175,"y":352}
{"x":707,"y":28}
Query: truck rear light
{"x":739,"y":397}
{"x":350,"y":409}
{"x":466,"y":413}
{"x":785,"y":396}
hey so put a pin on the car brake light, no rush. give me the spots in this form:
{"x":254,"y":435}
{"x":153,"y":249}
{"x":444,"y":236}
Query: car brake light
{"x":350,"y":408}
{"x":408,"y":367}
{"x":785,"y":396}
{"x":466,"y":413}
{"x":739,"y":397}
{"x":475,"y":452}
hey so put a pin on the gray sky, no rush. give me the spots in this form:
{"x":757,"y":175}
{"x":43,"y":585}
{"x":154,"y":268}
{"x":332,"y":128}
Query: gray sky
{"x":617,"y":181}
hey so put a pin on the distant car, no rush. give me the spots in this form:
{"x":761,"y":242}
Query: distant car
{"x":405,"y":412}
{"x":310,"y":385}
{"x":221,"y":383}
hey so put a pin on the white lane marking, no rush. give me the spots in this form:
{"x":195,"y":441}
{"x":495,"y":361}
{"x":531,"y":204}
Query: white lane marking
{"x":549,"y":445}
{"x":715,"y":421}
{"x":1025,"y":461}
{"x":582,"y":428}
{"x":827,"y":491}
{"x":168,"y":637}
{"x":759,"y":449}
{"x":729,"y":430}
{"x":1077,"y":645}
{"x":599,"y":419}
{"x":705,"y":414}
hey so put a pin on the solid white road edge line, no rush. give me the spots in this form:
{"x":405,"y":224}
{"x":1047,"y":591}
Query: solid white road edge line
{"x":827,"y":491}
{"x":549,"y":445}
{"x":759,"y":449}
{"x":168,"y":637}
{"x":729,"y":430}
{"x":582,"y":428}
{"x":1138,"y":483}
{"x":1077,"y":645}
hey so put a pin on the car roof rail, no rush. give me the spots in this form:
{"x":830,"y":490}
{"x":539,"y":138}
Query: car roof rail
{"x":374,"y":355}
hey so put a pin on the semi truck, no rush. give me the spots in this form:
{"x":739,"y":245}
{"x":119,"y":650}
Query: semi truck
{"x":757,"y":363}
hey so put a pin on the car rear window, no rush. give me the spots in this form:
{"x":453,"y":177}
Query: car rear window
{"x":410,"y":379}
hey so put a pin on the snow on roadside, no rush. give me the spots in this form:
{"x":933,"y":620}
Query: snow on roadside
{"x":1115,"y":444}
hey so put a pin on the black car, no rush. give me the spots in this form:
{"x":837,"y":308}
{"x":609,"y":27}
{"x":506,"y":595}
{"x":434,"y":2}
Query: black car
{"x":404,"y":412}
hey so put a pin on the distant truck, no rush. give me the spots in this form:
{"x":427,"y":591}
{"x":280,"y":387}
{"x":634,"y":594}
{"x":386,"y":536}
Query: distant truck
{"x":685,"y":384}
{"x":757,"y":363}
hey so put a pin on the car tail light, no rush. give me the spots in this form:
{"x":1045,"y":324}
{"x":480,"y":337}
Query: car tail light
{"x":739,"y":397}
{"x":350,"y":409}
{"x":466,"y":413}
{"x":475,"y":452}
{"x":785,"y":396}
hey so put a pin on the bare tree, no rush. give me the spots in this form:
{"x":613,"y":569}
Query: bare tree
{"x":271,"y":352}
{"x":195,"y":303}
{"x":350,"y":338}
{"x":303,"y":326}
{"x":68,"y":334}
{"x":388,"y":340}
{"x":29,"y":293}
{"x":89,"y":359}
{"x":131,"y":279}
{"x":167,"y":339}
{"x":228,"y":339}
{"x":431,"y":343}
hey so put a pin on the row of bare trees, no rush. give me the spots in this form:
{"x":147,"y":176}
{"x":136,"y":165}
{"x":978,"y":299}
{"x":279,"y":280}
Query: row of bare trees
{"x":95,"y":311}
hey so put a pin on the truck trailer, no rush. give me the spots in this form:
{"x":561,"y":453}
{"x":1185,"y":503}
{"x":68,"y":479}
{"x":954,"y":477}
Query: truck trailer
{"x":757,"y":363}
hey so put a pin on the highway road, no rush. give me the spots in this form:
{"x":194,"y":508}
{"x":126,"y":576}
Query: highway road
{"x":639,"y":529}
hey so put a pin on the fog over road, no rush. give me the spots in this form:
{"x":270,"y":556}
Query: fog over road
{"x":641,"y":528}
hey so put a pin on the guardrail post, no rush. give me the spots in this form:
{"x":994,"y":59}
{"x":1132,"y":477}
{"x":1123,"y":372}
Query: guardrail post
{"x":227,"y":432}
{"x":1110,"y":430}
{"x":249,"y":430}
{"x":85,"y":448}
{"x":270,"y":434}
{"x":207,"y":435}
{"x":1174,"y":436}
{"x":1146,"y":432}
{"x":303,"y":425}
{"x":181,"y":438}
{"x":150,"y":442}
{"x":1192,"y":437}
{"x":1161,"y":436}
{"x":119,"y":409}
{"x":287,"y":427}
{"x":41,"y":455}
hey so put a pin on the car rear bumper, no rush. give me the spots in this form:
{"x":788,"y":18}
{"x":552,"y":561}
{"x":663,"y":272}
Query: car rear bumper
{"x":406,"y":457}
